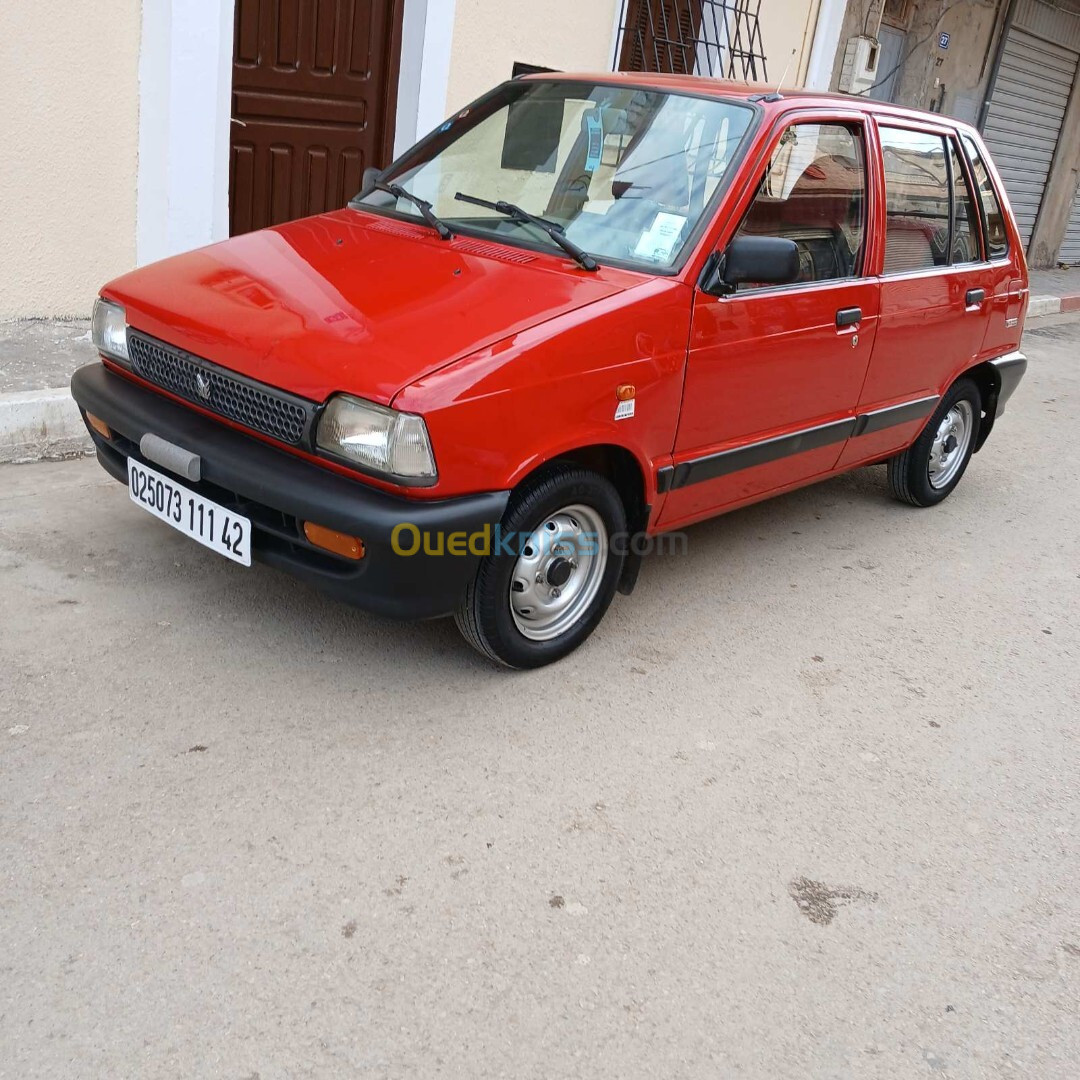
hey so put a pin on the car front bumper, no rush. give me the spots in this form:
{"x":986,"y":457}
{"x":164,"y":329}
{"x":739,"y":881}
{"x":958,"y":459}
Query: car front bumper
{"x":280,"y":491}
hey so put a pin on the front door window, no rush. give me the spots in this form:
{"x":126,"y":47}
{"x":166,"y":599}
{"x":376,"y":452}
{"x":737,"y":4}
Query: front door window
{"x":814,"y":193}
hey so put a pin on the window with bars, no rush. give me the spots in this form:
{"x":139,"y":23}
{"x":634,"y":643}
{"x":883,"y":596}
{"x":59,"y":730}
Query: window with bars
{"x":719,"y":38}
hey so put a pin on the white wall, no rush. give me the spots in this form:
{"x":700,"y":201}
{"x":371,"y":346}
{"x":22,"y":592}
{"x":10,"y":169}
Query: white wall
{"x":185,"y":82}
{"x":68,"y":151}
{"x":426,"y":33}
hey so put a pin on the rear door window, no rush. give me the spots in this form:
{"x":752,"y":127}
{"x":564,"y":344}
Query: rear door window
{"x":916,"y":200}
{"x":997,"y":239}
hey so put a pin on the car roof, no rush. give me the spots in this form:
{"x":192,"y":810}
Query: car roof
{"x":778,"y":100}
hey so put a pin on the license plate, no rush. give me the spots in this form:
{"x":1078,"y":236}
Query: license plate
{"x":210,"y":523}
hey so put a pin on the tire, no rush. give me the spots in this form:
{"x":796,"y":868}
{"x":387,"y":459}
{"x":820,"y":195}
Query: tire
{"x":560,"y":589}
{"x":930,"y":468}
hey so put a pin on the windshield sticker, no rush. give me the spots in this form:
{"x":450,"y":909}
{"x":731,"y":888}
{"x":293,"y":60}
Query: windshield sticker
{"x":625,"y":409}
{"x":659,"y":240}
{"x":594,"y":127}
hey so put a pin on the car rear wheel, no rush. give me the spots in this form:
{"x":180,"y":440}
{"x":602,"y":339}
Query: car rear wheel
{"x":546,"y":584}
{"x":927,"y":471}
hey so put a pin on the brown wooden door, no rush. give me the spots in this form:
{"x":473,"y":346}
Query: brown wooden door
{"x":313,"y":104}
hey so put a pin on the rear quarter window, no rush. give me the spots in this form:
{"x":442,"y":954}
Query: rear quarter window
{"x":997,"y":238}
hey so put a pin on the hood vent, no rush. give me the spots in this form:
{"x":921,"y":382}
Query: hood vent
{"x":492,"y":251}
{"x":394,"y":229}
{"x":460,"y":243}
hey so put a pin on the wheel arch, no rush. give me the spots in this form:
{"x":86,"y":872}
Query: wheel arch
{"x":624,"y":469}
{"x":988,"y":379}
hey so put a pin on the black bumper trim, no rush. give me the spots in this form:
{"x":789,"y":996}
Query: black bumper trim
{"x":1011,"y":368}
{"x":280,"y":490}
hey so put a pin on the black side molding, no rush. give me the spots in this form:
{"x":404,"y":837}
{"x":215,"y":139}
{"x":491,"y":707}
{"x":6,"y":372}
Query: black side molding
{"x":880,"y":419}
{"x":711,"y":466}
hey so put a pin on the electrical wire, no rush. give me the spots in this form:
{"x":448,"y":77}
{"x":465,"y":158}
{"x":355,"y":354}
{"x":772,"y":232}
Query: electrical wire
{"x":908,"y":55}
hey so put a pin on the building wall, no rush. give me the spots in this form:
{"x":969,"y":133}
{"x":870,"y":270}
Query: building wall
{"x":491,"y":35}
{"x":956,"y":81}
{"x":69,"y":117}
{"x":787,"y":35}
{"x":955,"y":78}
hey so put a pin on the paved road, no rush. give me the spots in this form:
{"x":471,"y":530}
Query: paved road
{"x":808,"y":805}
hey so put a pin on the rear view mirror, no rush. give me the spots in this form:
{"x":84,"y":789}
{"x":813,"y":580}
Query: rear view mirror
{"x":763,"y":260}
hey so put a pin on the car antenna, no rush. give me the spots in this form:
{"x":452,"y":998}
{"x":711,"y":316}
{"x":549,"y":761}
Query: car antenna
{"x":776,"y":95}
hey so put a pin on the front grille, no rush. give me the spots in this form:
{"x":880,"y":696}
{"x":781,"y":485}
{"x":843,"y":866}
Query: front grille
{"x":256,"y":406}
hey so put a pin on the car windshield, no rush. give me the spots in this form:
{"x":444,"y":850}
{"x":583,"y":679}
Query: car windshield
{"x":625,"y":173}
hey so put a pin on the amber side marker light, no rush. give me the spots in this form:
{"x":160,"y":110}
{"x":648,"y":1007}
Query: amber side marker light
{"x":626,"y":392}
{"x":352,"y":547}
{"x":99,"y":425}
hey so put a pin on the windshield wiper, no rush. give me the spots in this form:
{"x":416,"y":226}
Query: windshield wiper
{"x":523,"y":217}
{"x":421,"y":204}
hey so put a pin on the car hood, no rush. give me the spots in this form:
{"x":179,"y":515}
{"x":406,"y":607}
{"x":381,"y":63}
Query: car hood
{"x":351,"y":301}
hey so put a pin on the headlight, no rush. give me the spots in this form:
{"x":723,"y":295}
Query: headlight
{"x":109,"y":330}
{"x":381,"y":440}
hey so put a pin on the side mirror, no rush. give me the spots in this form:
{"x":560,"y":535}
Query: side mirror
{"x":367,"y":182}
{"x":764,"y":260}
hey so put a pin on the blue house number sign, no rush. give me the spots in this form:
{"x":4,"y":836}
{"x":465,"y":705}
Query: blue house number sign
{"x":943,"y":40}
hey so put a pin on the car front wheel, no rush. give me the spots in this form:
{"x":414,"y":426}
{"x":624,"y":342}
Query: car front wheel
{"x":927,"y":471}
{"x":552,"y":572}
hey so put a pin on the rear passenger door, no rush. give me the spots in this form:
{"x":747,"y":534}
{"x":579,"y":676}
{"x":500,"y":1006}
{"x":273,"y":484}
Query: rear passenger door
{"x":773,"y":373}
{"x":937,"y":287}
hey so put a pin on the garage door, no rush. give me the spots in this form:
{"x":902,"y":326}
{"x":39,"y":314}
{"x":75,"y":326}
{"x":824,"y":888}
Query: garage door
{"x":1024,"y":119}
{"x":1070,"y":248}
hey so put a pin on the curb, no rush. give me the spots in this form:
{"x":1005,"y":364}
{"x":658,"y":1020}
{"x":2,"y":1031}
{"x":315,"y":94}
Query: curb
{"x":45,"y":424}
{"x":36,"y":424}
{"x":1052,"y":305}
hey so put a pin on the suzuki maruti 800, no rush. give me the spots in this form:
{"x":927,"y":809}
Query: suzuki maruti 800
{"x":584,"y":310}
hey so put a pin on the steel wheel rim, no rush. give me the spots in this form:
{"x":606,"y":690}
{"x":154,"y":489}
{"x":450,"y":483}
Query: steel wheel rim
{"x":950,"y":446}
{"x":559,"y":572}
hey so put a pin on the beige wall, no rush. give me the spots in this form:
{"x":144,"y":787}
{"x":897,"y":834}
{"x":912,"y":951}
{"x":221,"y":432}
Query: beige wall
{"x":490,"y":35}
{"x":69,"y":137}
{"x":577,"y":35}
{"x":786,"y":27}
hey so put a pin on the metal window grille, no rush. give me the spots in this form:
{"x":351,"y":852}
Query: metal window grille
{"x":718,"y":38}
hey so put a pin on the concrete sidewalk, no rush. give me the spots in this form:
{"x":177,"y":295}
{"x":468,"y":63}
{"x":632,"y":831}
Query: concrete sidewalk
{"x":39,"y":420}
{"x":1054,"y":292}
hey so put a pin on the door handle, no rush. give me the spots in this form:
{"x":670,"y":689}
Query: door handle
{"x":848,"y":316}
{"x":975,"y":296}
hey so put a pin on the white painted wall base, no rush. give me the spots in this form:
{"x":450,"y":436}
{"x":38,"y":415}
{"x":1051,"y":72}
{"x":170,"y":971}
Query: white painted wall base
{"x":427,"y":33}
{"x":830,"y":21}
{"x":185,"y":92}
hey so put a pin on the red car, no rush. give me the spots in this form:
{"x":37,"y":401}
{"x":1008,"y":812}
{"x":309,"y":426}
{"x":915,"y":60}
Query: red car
{"x":585,"y":311}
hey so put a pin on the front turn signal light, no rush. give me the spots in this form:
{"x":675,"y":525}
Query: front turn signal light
{"x":350,"y":547}
{"x":99,"y":425}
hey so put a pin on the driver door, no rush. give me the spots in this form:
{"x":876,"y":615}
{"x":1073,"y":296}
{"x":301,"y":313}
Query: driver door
{"x":774,"y":373}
